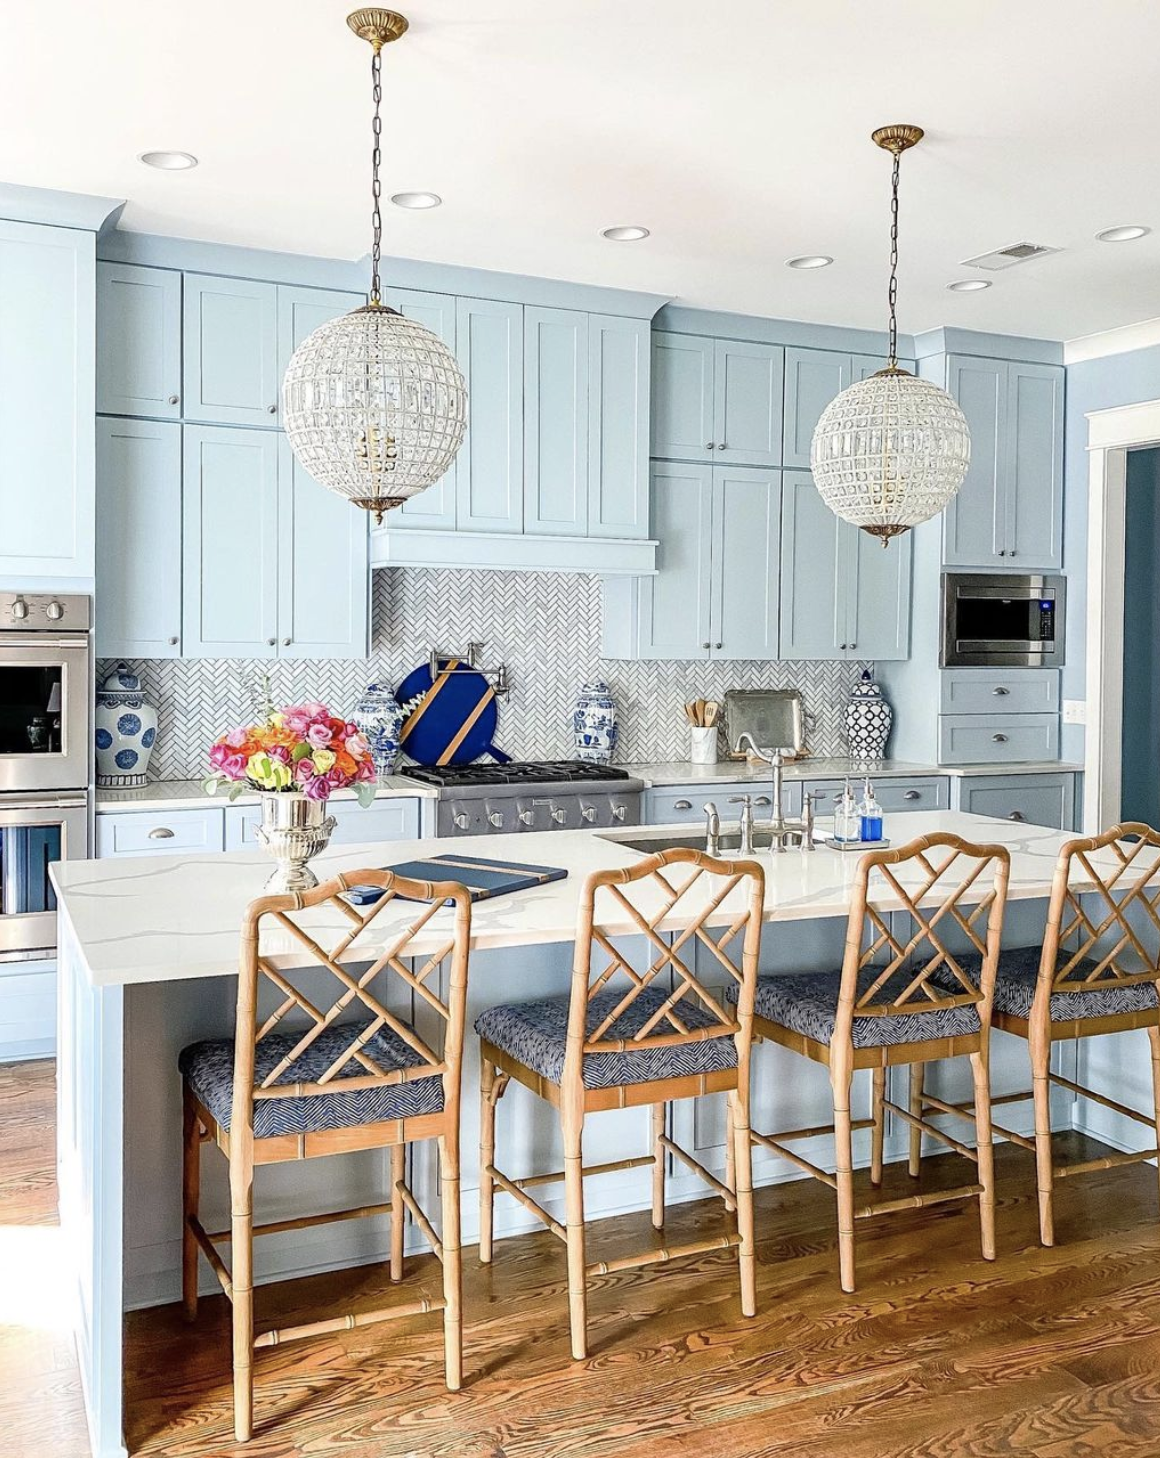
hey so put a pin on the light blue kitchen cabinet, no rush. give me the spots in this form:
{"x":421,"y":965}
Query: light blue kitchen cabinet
{"x":746,"y":556}
{"x":556,"y":431}
{"x":1036,"y":799}
{"x":47,"y":403}
{"x":433,"y":509}
{"x":231,"y":351}
{"x":323,"y":574}
{"x":619,"y":353}
{"x":230,"y":543}
{"x":389,"y":818}
{"x":813,"y":377}
{"x":138,"y":341}
{"x":674,"y":607}
{"x":1009,"y":510}
{"x":301,"y":312}
{"x":138,"y":596}
{"x":489,"y":470}
{"x":748,"y":381}
{"x":842,"y":594}
{"x":683,"y":402}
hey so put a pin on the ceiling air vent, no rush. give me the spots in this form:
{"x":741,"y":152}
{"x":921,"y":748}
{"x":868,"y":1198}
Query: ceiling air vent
{"x":1008,"y":257}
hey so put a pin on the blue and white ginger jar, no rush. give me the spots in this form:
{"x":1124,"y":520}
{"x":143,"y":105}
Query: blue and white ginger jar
{"x":380,"y":718}
{"x":126,"y":730}
{"x":594,"y":723}
{"x":868,"y":719}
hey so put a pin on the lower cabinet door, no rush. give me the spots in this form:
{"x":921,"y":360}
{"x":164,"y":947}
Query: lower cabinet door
{"x":813,"y":549}
{"x":674,"y":605}
{"x":746,"y":557}
{"x":997,"y":739}
{"x":930,"y":793}
{"x":1036,"y":799}
{"x":159,"y":832}
{"x":138,"y":596}
{"x":393,"y":819}
{"x":230,"y":543}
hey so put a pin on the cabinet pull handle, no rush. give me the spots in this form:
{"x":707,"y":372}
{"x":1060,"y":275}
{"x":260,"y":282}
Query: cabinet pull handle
{"x":271,"y":409}
{"x":1002,"y":551}
{"x":286,"y":642}
{"x":173,"y":642}
{"x":843,"y":645}
{"x":174,"y":399}
{"x":999,"y":738}
{"x":1016,"y":815}
{"x":270,"y":642}
{"x":721,"y":446}
{"x":853,"y":646}
{"x":706,"y":645}
{"x":718,"y":645}
{"x":762,"y":800}
{"x":1000,"y":691}
{"x":161,"y":832}
{"x":913,"y":795}
{"x":709,"y":446}
{"x":682,"y":804}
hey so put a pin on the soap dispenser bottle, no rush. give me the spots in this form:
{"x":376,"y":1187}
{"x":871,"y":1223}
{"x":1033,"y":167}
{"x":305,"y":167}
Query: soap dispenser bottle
{"x":870,"y":814}
{"x":847,"y":825}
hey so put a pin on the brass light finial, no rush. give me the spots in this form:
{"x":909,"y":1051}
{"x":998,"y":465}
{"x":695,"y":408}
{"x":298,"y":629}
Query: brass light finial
{"x":896,"y":139}
{"x":380,"y":27}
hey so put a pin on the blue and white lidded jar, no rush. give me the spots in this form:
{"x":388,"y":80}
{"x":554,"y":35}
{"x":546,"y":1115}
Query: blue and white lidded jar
{"x":379,"y":716}
{"x":868,"y":719}
{"x":126,"y":730}
{"x":594,"y":723}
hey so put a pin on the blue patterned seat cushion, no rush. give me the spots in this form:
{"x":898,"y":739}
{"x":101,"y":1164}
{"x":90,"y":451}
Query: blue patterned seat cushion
{"x":534,"y":1033}
{"x":209,"y":1068}
{"x":1015,"y":988}
{"x":807,"y":1003}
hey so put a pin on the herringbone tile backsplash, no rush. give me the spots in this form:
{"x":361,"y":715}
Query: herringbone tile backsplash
{"x":545,"y":626}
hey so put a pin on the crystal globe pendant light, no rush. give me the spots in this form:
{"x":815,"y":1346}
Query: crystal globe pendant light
{"x":891,"y":450}
{"x":374,"y":404}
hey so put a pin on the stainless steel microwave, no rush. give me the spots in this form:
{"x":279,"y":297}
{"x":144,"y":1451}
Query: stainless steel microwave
{"x":992,"y":621}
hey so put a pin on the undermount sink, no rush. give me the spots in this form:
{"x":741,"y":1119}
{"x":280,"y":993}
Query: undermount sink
{"x":730,"y":841}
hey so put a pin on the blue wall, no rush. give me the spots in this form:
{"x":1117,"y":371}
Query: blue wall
{"x":1097,"y":384}
{"x":1140,"y":796}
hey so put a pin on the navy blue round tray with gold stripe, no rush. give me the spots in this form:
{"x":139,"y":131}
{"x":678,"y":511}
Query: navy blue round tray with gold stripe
{"x":451,"y":720}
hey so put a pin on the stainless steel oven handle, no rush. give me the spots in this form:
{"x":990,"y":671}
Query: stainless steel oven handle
{"x":40,"y":641}
{"x":32,"y":801}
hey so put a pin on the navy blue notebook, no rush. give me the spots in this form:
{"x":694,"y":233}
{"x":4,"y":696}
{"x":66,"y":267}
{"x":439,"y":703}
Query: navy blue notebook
{"x":484,"y":878}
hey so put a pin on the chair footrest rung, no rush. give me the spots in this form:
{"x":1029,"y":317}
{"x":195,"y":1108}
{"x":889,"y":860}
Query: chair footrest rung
{"x":1098,"y":1098}
{"x":304,"y":1222}
{"x":349,"y":1322}
{"x":916,"y":1202}
{"x":1108,"y":1161}
{"x":811,"y":1169}
{"x":511,"y":1188}
{"x":698,"y":1168}
{"x":420,"y":1219}
{"x":967,"y":1112}
{"x":610,"y":1166}
{"x":916,"y":1123}
{"x":209,"y":1250}
{"x":665,"y":1253}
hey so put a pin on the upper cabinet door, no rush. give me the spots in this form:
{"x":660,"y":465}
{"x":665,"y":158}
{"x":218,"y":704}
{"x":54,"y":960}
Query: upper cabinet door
{"x":323,"y":575}
{"x":1035,"y":466}
{"x":47,"y":402}
{"x":683,"y":398}
{"x":747,"y":389}
{"x":877,"y":582}
{"x":489,"y":471}
{"x":230,"y":543}
{"x":814,"y":556}
{"x":619,"y":351}
{"x":746,"y":562}
{"x":555,"y":422}
{"x":674,"y":606}
{"x":975,"y":524}
{"x":301,"y":312}
{"x":812,"y":378}
{"x":138,"y":593}
{"x":433,"y":509}
{"x":231,"y":351}
{"x":138,"y":341}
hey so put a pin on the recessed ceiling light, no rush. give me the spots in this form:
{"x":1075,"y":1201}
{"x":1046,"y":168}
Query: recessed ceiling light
{"x":416,"y":199}
{"x":1123,"y":234}
{"x":810,"y":260}
{"x":168,"y":161}
{"x":969,"y":285}
{"x":625,"y":233}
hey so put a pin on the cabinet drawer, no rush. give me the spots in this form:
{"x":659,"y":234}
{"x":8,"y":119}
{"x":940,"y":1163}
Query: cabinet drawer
{"x":1001,"y":738}
{"x":384,"y":820}
{"x":687,"y":806}
{"x":931,"y":793}
{"x":996,"y":691}
{"x":1036,"y":799}
{"x":161,"y":832}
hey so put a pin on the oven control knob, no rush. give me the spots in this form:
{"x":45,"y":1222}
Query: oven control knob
{"x":619,"y":812}
{"x":495,"y":818}
{"x":559,"y":814}
{"x":19,"y":609}
{"x":526,"y":817}
{"x":461,"y":820}
{"x":588,"y":813}
{"x":54,"y":611}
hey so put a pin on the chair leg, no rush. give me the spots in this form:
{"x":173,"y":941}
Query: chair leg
{"x":573,"y":1122}
{"x":452,"y":1259}
{"x":730,"y":1156}
{"x":190,"y":1198}
{"x":1039,"y":1046}
{"x":878,"y":1134}
{"x":398,"y":1209}
{"x":914,"y":1103}
{"x":841,"y":1079}
{"x":1154,"y":1040}
{"x":242,"y":1277}
{"x":658,"y":1174}
{"x":984,"y":1149}
{"x":489,"y":1094}
{"x":742,"y":1146}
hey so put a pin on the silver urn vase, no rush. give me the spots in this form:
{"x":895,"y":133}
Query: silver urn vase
{"x":293,"y":829}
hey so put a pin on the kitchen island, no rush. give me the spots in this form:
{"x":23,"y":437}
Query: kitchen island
{"x":148,"y":952}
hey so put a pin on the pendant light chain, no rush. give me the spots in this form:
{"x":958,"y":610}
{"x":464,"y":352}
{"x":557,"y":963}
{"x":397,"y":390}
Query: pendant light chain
{"x":376,"y":185}
{"x":892,"y":291}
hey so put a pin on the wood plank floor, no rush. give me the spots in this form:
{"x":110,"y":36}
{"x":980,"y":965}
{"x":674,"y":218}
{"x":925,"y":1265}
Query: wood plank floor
{"x":1051,"y":1354}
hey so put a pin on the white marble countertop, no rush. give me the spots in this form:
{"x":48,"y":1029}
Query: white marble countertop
{"x":732,"y":771}
{"x":168,"y":918}
{"x":188,"y":794}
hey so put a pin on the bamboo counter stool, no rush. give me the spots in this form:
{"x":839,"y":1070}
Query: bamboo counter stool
{"x":272,"y":1093}
{"x":1098,"y":971}
{"x":886,"y":1006}
{"x":634,"y":1041}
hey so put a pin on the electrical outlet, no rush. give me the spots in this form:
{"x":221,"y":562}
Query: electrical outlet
{"x":1074,"y":711}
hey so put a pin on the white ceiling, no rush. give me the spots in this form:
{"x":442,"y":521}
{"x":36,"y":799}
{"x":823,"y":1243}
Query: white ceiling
{"x":736,"y":131}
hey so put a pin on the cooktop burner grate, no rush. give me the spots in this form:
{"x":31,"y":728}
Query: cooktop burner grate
{"x":536,"y":772}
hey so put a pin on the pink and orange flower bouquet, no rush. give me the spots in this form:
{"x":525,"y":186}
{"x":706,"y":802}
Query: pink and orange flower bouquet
{"x":303,"y":750}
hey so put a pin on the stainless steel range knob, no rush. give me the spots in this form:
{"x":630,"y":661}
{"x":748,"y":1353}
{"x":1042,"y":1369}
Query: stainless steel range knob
{"x":54,"y":611}
{"x":559,"y":814}
{"x":495,"y":818}
{"x":619,"y":812}
{"x":526,"y":817}
{"x":461,"y":820}
{"x":588,"y":813}
{"x":19,"y":609}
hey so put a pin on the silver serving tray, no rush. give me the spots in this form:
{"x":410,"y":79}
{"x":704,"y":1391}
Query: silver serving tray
{"x":855,"y":845}
{"x":774,"y":717}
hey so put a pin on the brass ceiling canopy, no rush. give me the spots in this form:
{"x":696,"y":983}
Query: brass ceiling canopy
{"x":380,"y":27}
{"x":896,"y":139}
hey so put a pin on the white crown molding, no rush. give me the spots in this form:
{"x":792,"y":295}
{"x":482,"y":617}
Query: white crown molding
{"x":1112,"y":341}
